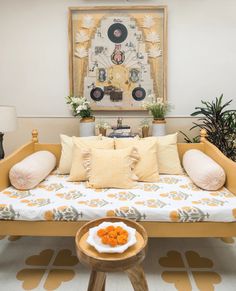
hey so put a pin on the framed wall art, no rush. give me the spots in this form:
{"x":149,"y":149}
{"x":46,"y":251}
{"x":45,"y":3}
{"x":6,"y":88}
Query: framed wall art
{"x":118,"y":55}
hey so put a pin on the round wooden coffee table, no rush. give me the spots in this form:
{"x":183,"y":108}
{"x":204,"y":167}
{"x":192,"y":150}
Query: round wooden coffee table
{"x":100,"y":263}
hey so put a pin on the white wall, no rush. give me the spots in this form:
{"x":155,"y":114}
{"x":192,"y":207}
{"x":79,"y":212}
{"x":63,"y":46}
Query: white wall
{"x":34,"y":61}
{"x":34,"y":53}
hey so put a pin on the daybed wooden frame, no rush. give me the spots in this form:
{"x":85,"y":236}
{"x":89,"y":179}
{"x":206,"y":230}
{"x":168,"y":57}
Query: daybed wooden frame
{"x":154,"y":229}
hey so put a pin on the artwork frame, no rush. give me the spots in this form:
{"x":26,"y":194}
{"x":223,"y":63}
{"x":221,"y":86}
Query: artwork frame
{"x":80,"y":60}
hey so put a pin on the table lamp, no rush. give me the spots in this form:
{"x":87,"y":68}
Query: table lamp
{"x":7,"y":123}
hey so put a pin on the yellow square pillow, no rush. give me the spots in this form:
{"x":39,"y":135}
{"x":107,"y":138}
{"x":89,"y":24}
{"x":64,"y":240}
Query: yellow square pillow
{"x":167,"y":154}
{"x":147,"y":167}
{"x":66,"y":151}
{"x":111,"y":168}
{"x":77,"y":172}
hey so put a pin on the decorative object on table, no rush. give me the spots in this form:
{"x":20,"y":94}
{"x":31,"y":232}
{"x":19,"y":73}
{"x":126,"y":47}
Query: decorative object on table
{"x":158,"y":109}
{"x":144,"y":124}
{"x":112,"y":237}
{"x":129,"y":261}
{"x":102,"y":127}
{"x":81,"y":107}
{"x":121,"y":130}
{"x":120,"y":58}
{"x":219,"y":123}
{"x":7,"y":123}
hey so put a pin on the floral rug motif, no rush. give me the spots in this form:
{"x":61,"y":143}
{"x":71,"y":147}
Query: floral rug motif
{"x":41,"y":263}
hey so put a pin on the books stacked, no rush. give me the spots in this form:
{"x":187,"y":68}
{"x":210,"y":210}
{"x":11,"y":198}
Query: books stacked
{"x":121,"y":131}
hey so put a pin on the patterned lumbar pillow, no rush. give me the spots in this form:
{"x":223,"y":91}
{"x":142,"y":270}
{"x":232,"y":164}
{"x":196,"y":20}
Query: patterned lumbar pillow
{"x":203,"y":170}
{"x":111,"y":168}
{"x":32,"y":170}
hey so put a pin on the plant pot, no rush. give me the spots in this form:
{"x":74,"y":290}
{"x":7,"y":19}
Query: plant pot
{"x":102,"y":131}
{"x":158,"y":127}
{"x":145,"y":131}
{"x":87,"y":126}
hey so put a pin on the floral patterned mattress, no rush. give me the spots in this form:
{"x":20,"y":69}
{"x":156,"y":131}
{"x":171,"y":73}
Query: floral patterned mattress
{"x":174,"y":198}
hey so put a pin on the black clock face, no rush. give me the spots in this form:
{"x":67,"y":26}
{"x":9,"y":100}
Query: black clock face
{"x":117,"y":33}
{"x":138,"y":93}
{"x":97,"y":94}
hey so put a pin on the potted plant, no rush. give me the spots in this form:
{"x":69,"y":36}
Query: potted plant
{"x":81,"y":107}
{"x":144,"y":124}
{"x":158,"y":108}
{"x":102,"y":127}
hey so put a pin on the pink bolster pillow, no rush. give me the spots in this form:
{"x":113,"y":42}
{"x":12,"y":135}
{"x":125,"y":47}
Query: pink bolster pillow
{"x":203,"y":170}
{"x":32,"y":170}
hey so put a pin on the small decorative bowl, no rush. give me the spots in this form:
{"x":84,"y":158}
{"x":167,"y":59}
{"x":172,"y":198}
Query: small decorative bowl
{"x":95,"y":241}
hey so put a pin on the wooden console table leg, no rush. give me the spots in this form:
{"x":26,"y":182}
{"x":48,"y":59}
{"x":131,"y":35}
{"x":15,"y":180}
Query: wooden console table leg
{"x":137,"y":278}
{"x":97,"y":281}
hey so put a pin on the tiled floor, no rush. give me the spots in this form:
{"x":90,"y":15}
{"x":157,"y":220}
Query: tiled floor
{"x":172,"y":264}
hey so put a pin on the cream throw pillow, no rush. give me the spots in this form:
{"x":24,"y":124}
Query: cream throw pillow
{"x":66,"y":152}
{"x":167,"y":154}
{"x":111,"y":168}
{"x":77,"y":172}
{"x":147,"y":167}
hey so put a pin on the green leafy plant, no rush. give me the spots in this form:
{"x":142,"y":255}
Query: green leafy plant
{"x":157,"y":107}
{"x":219,"y":123}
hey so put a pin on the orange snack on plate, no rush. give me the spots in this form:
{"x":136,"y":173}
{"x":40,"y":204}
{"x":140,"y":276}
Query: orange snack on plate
{"x":113,"y":236}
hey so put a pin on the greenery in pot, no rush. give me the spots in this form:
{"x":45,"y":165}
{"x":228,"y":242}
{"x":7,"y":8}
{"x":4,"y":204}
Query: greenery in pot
{"x":101,"y":124}
{"x":144,"y":123}
{"x":219,"y":123}
{"x":80,"y":106}
{"x":157,"y":107}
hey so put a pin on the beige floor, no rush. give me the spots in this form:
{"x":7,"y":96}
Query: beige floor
{"x":172,"y":264}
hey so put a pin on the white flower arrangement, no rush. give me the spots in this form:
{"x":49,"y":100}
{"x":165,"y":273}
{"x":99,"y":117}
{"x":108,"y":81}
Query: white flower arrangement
{"x":157,"y":107}
{"x":80,"y":106}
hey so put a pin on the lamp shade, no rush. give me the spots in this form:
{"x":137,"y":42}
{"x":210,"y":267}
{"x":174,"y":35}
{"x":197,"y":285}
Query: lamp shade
{"x":7,"y":118}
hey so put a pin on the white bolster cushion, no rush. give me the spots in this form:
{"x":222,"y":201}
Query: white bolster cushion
{"x":32,"y":170}
{"x":203,"y":170}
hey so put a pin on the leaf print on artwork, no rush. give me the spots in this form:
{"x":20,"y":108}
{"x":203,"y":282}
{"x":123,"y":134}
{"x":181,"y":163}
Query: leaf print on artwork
{"x":67,"y":213}
{"x":188,"y":214}
{"x":7,"y":212}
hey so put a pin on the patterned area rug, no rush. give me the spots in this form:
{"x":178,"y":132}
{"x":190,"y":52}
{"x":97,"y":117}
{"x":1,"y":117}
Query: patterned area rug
{"x":34,"y":263}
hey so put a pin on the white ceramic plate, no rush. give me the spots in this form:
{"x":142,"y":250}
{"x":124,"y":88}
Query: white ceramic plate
{"x":95,"y":241}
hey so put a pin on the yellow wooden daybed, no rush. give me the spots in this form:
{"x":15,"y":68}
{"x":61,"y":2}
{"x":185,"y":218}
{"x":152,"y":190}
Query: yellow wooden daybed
{"x":154,"y":229}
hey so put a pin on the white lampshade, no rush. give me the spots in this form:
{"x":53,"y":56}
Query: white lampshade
{"x":7,"y":118}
